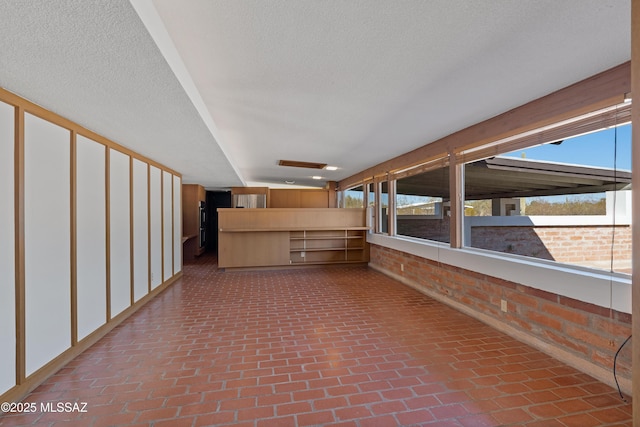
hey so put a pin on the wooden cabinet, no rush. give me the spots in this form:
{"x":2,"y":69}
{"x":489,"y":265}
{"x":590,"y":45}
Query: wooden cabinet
{"x":291,"y":237}
{"x":193,"y":222}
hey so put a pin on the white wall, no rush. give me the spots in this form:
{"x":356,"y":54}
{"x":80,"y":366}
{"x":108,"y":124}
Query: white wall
{"x":120,"y":230}
{"x":155,"y":177}
{"x":91,"y":236}
{"x":7,"y":250}
{"x":47,"y":241}
{"x":140,"y":230}
{"x":167,"y":227}
{"x":112,"y":190}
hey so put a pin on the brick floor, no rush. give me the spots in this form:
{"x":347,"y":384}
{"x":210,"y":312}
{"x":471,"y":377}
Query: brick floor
{"x":339,"y":346}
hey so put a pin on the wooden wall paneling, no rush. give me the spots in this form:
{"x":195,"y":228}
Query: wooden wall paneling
{"x":314,"y":198}
{"x":190,"y":209}
{"x":177,"y":224}
{"x":192,"y":195}
{"x":283,"y":198}
{"x":286,"y":219}
{"x":167,"y":225}
{"x":332,"y":194}
{"x":47,"y":242}
{"x":7,"y":248}
{"x":91,"y":241}
{"x":140,"y":230}
{"x":120,"y":231}
{"x":155,"y":214}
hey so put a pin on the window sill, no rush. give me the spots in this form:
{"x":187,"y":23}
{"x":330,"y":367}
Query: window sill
{"x":609,"y":290}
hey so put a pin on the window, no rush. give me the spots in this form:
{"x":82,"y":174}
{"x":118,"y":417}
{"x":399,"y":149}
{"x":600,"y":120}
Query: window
{"x":568,"y":200}
{"x":383,"y":207}
{"x":354,"y":197}
{"x":422,"y":205}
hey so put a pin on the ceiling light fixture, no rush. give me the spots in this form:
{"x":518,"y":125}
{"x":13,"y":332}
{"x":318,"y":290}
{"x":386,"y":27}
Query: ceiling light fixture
{"x":290,"y":182}
{"x":316,"y":177}
{"x":299,"y":164}
{"x":331,"y":168}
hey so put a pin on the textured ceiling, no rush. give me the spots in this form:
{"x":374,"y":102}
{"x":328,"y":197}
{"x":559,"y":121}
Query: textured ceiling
{"x":94,"y":62}
{"x":348,"y":83}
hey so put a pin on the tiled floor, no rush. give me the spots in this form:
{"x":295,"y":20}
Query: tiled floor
{"x":342,"y":346}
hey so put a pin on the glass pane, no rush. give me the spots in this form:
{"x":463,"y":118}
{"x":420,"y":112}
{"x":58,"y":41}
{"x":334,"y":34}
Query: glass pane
{"x":422,"y":205}
{"x":384,"y":207}
{"x":354,"y":198}
{"x":567,"y":201}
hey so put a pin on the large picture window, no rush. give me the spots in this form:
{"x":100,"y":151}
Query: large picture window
{"x":422,"y":205}
{"x":568,"y":201}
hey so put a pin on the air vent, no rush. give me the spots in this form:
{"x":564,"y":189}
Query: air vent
{"x":297,"y":164}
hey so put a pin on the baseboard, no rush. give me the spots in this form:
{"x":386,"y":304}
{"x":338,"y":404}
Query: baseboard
{"x":20,"y":391}
{"x":583,"y":365}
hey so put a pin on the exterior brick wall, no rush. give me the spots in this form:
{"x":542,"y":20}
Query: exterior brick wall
{"x":582,"y":245}
{"x":563,"y":244}
{"x":431,"y":229}
{"x":590,"y":332}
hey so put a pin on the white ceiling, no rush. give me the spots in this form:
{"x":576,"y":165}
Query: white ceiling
{"x":220,"y":90}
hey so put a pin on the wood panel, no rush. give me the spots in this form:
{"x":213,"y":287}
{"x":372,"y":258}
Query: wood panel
{"x":287,"y":219}
{"x":255,"y":249}
{"x":284,"y":198}
{"x":192,"y":195}
{"x":298,"y":198}
{"x":314,"y":199}
{"x":7,"y":250}
{"x":47,"y":242}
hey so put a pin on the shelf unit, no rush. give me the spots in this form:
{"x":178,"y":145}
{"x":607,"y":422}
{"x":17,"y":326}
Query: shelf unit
{"x":279,"y":237}
{"x":328,"y":245}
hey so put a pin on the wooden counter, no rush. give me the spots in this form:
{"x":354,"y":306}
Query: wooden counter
{"x":286,"y":237}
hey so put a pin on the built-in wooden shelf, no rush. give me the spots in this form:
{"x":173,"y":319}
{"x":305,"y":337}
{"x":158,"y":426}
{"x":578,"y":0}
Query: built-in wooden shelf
{"x":328,"y":245}
{"x":250,"y":238}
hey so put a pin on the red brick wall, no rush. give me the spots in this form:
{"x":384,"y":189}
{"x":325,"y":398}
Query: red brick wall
{"x":563,"y":244}
{"x":431,"y":229}
{"x":587,"y":331}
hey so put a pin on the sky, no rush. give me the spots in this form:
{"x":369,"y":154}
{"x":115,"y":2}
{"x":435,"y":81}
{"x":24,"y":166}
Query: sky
{"x":594,"y":149}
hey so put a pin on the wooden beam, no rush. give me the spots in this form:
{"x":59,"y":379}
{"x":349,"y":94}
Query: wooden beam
{"x":600,"y":91}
